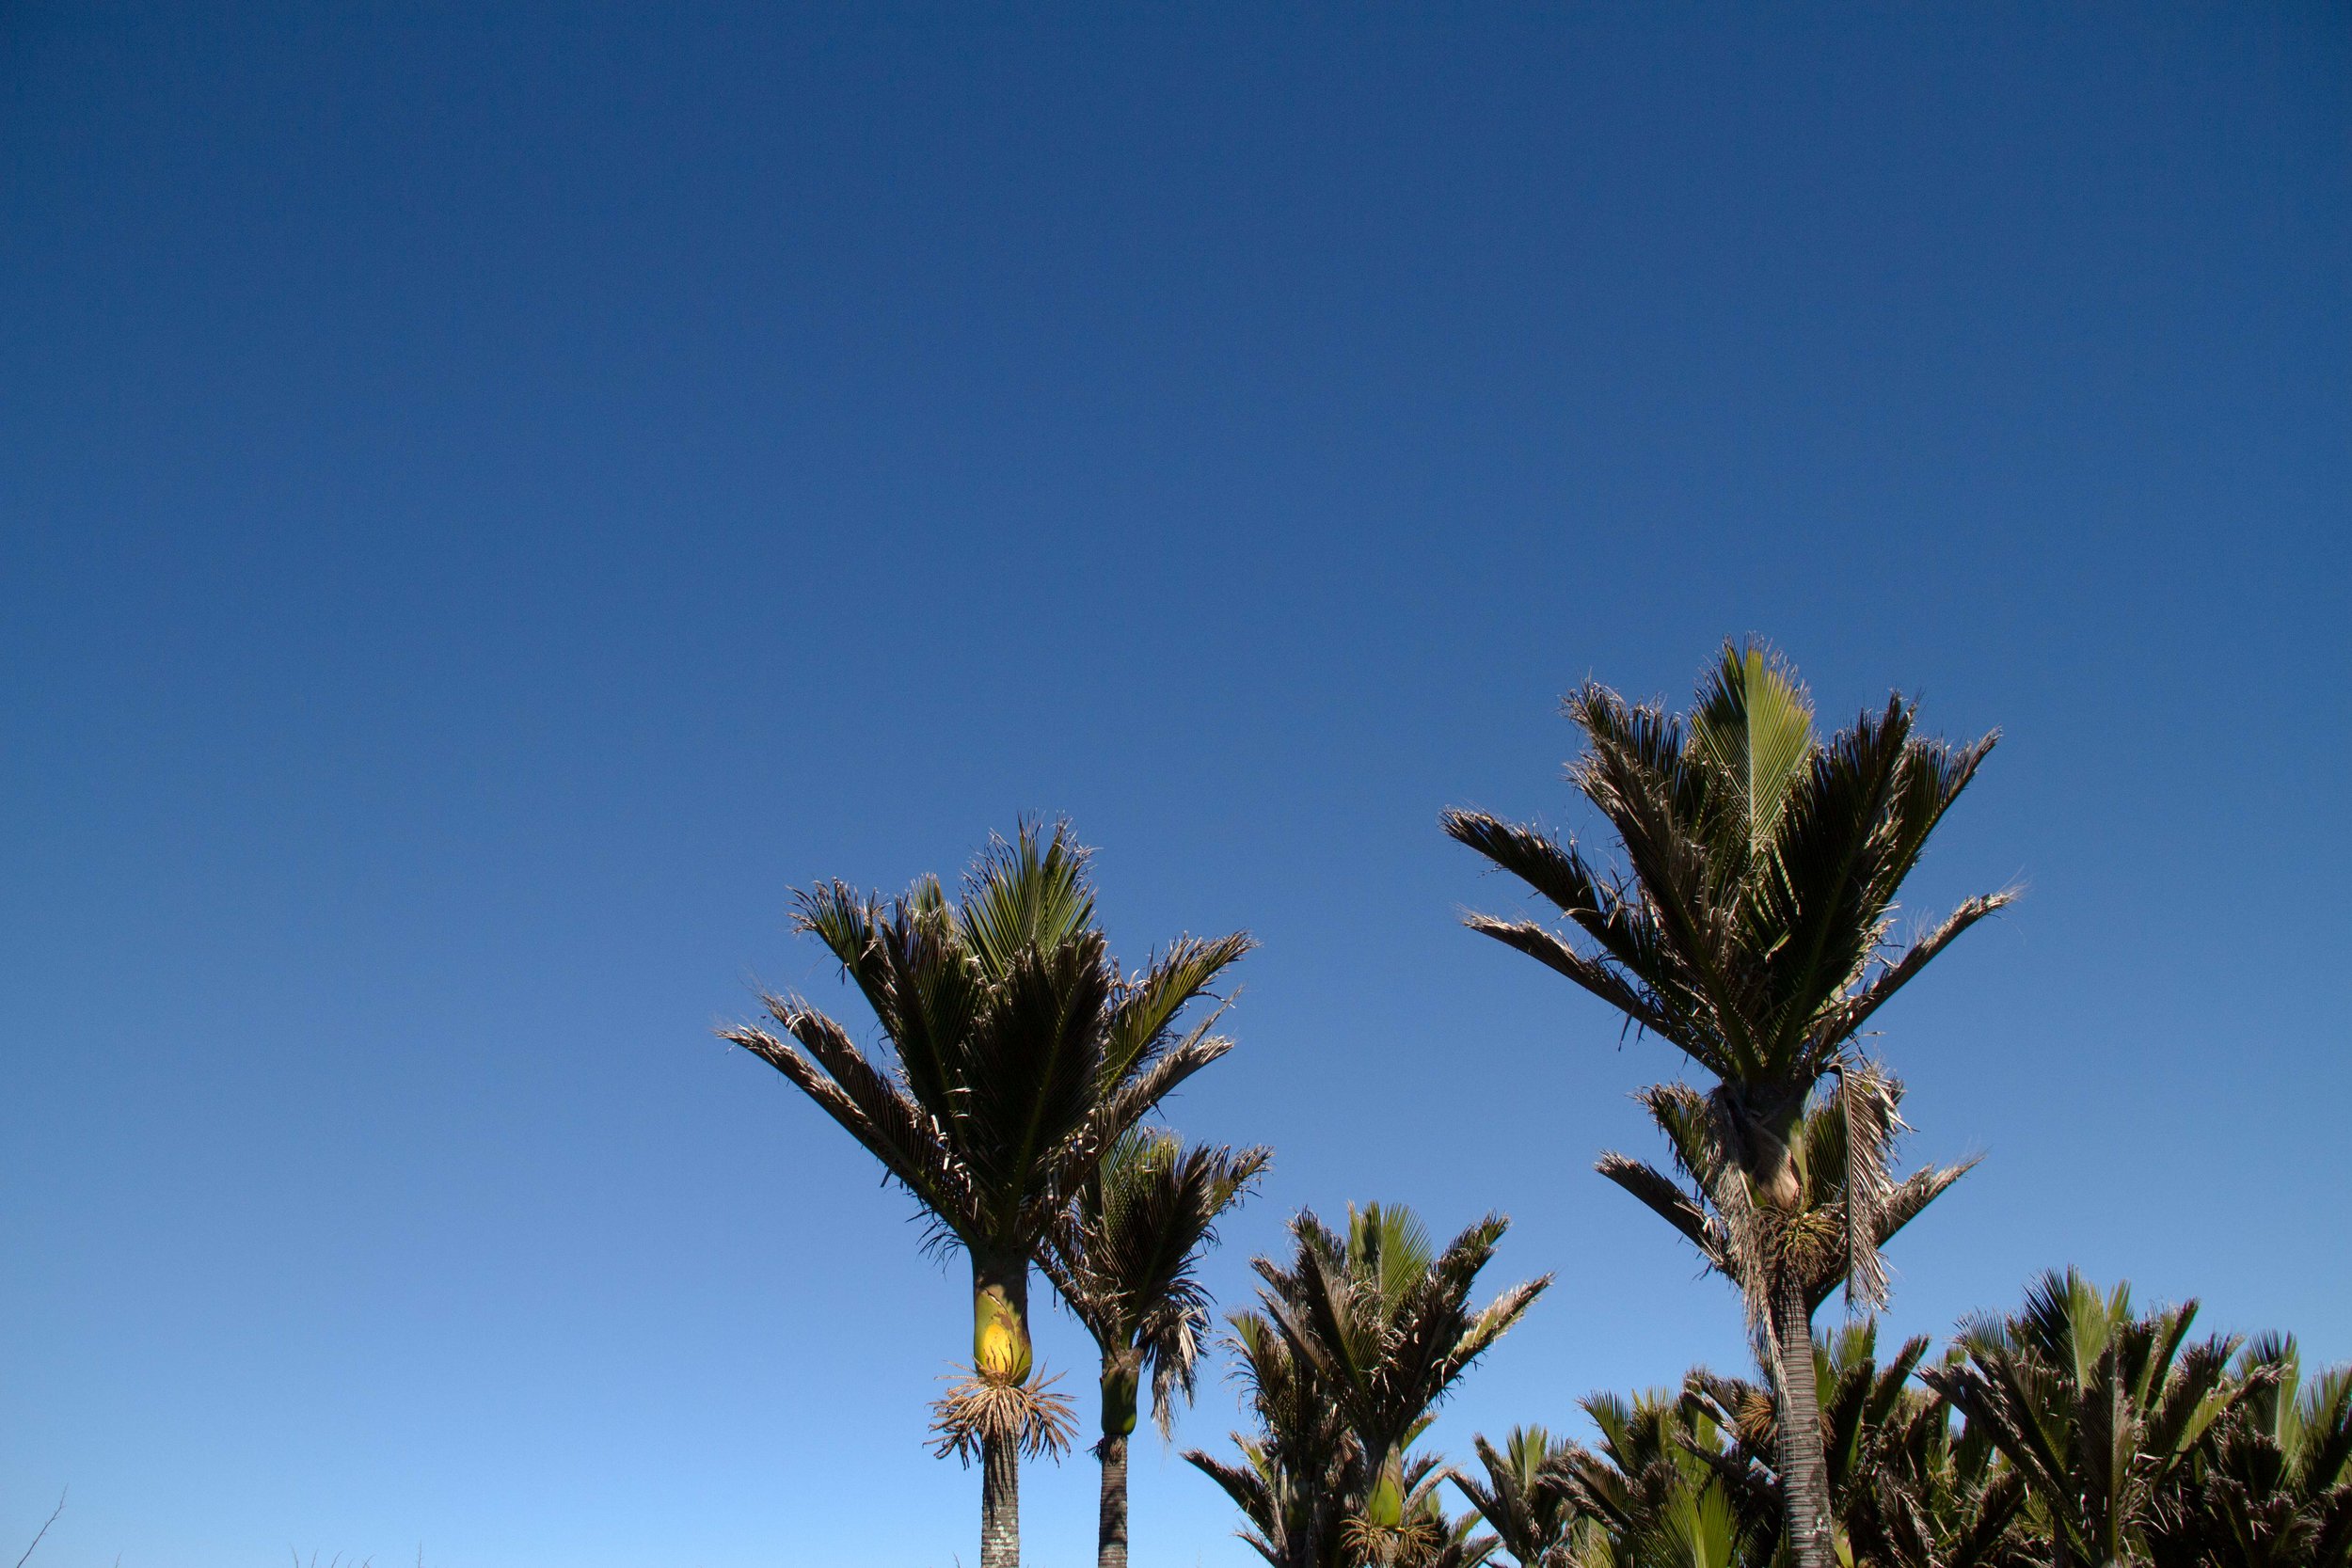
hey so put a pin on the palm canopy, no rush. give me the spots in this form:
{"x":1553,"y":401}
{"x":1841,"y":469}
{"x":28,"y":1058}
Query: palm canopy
{"x":1533,"y":1517}
{"x":1385,"y":1320}
{"x":1019,"y":1051}
{"x":2271,"y":1486}
{"x":1658,"y":1488}
{"x":1125,"y":1258}
{"x":2097,"y":1408}
{"x":1357,"y":1341}
{"x":1749,"y":926}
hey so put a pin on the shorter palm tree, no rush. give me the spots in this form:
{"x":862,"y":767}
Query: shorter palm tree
{"x":1935,"y":1494}
{"x":1660,"y":1489}
{"x":1533,"y":1517}
{"x":1357,"y":1344}
{"x":1123,"y":1259}
{"x":2099,"y":1410}
{"x":2271,"y":1485}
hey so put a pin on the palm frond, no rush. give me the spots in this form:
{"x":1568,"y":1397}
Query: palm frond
{"x":1752,"y":728}
{"x":914,"y":1148}
{"x":1145,"y":1008}
{"x":1026,"y":896}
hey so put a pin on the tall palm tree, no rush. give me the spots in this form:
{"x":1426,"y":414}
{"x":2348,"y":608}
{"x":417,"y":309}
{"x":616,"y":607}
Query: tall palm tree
{"x":1750,"y":928}
{"x":2098,"y":1409}
{"x":1020,"y":1053}
{"x":1124,"y":1261}
{"x":1356,"y":1344}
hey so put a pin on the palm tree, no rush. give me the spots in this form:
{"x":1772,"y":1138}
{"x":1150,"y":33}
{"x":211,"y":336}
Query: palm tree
{"x":1356,"y":1344}
{"x":2098,"y":1410}
{"x":1534,"y":1519}
{"x":1660,"y":1489}
{"x":1123,"y":1261}
{"x":1750,"y":929}
{"x":1020,"y":1054}
{"x":1296,"y":1467}
{"x":2271,"y":1484}
{"x":1938,"y":1496}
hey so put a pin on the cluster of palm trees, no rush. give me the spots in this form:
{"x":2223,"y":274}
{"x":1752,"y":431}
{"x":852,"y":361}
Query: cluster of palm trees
{"x":1746,"y":920}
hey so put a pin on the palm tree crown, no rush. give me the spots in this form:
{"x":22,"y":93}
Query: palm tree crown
{"x":2099,"y":1409}
{"x":1124,"y":1259}
{"x":1357,"y":1341}
{"x":1125,"y":1262}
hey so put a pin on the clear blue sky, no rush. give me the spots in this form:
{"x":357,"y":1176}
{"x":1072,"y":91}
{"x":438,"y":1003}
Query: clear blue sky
{"x":491,"y":501}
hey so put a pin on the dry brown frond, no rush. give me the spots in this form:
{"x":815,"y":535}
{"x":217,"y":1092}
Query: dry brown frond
{"x":1756,"y":1420}
{"x":978,"y":1408}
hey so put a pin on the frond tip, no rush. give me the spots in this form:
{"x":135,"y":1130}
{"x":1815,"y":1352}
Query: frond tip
{"x":980,"y":1409}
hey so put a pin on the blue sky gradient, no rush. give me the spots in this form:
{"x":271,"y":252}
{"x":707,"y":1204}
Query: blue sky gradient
{"x":490,"y":502}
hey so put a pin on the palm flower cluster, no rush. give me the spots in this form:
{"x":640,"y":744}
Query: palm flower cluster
{"x":1744,"y":914}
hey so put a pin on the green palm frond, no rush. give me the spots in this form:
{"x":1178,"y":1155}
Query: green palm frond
{"x":1753,"y":726}
{"x":1146,"y":1007}
{"x":1027,"y":895}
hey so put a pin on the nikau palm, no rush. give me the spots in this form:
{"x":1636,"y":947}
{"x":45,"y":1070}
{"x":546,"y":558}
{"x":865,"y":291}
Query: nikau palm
{"x":1658,"y":1489}
{"x":1749,"y":927}
{"x":1356,"y":1344}
{"x":1021,"y":1053}
{"x":2271,"y":1483}
{"x":1123,"y":1260}
{"x":1533,"y":1517}
{"x":2099,"y":1410}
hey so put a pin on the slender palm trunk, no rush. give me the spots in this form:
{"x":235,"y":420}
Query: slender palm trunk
{"x":1000,"y":1352}
{"x":1110,"y":1541}
{"x":1803,"y":1465}
{"x":1000,"y":1504}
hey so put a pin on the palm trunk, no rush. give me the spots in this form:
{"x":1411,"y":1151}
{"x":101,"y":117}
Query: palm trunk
{"x":1000,"y":1353}
{"x":1122,"y":1374}
{"x":1803,"y":1465}
{"x":1000,"y":1504}
{"x":1110,"y":1541}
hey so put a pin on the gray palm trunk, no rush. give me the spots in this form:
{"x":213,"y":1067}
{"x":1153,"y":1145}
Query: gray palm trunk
{"x":1803,"y":1465}
{"x":1110,"y":1551}
{"x":1000,"y":1504}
